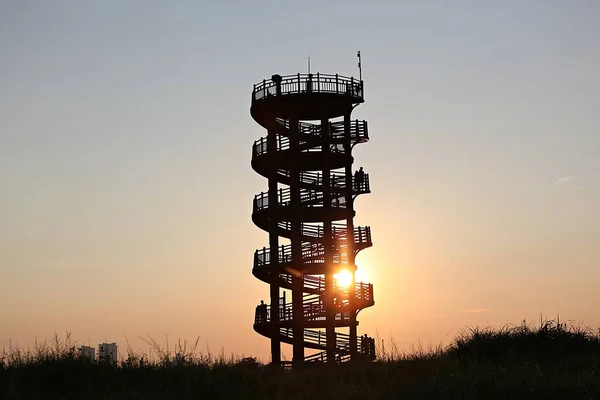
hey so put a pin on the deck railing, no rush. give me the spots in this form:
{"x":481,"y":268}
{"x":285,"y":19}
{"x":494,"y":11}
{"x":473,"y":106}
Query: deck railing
{"x":309,"y":83}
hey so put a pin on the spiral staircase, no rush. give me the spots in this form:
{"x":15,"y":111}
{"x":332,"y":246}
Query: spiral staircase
{"x":310,"y":204}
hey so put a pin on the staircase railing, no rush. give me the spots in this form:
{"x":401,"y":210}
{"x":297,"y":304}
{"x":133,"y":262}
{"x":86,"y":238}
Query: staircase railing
{"x":362,"y":234}
{"x":311,"y":253}
{"x":308,"y":198}
{"x":337,"y":180}
{"x":357,"y":132}
{"x":363,"y":291}
{"x":259,"y":148}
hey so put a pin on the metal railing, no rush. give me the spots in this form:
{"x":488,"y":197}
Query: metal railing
{"x":365,"y":344}
{"x":365,"y":347}
{"x":337,"y":130}
{"x":318,"y":338}
{"x":363,"y":291}
{"x":312,"y":310}
{"x":337,"y":180}
{"x":358,"y":133}
{"x":312,"y":253}
{"x":308,"y":198}
{"x":259,"y":148}
{"x":309,"y":83}
{"x":362,"y":234}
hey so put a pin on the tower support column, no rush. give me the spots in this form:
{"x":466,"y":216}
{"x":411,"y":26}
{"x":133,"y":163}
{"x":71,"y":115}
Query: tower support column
{"x":273,"y":246}
{"x":353,"y":337}
{"x":328,"y":242}
{"x":296,"y":238}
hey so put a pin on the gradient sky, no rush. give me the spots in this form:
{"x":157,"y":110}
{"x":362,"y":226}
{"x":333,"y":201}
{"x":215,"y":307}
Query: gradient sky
{"x":126,"y":187}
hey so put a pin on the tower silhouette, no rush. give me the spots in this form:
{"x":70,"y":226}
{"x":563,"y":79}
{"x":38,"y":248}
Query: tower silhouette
{"x":308,"y":212}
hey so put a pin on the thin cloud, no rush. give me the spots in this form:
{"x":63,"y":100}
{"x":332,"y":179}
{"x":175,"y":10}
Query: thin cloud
{"x":476,"y":310}
{"x":564,"y":179}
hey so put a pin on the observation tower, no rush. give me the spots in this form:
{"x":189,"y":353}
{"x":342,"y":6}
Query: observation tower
{"x":308,"y":212}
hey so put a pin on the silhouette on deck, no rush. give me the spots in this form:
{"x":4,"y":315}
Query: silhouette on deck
{"x":308,"y":212}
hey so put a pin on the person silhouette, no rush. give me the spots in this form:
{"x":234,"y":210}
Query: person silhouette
{"x":263,"y":311}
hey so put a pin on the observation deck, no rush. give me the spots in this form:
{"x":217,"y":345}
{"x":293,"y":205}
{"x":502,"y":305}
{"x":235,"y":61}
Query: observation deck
{"x":306,"y":96}
{"x":307,"y":159}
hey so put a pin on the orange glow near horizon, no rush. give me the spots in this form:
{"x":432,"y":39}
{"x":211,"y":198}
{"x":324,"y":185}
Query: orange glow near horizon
{"x":484,"y":203}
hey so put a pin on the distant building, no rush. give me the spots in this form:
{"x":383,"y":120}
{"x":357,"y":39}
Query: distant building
{"x":107,"y":352}
{"x":88,"y":352}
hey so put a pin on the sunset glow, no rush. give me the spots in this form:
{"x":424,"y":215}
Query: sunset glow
{"x":344,"y":278}
{"x":126,"y":147}
{"x":361,"y":275}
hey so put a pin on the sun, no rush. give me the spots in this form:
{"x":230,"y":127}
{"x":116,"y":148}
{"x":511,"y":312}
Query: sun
{"x":343,"y":278}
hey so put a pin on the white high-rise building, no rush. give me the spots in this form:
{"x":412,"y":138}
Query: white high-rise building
{"x":88,"y":352}
{"x":107,"y":352}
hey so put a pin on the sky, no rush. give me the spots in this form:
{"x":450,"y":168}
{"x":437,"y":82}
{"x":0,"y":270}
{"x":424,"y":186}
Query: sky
{"x":126,"y":188}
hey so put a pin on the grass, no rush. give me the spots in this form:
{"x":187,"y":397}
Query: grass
{"x":550,"y":361}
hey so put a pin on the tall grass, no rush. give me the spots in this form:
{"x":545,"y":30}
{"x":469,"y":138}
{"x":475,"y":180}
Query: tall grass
{"x":551,"y":341}
{"x":551,"y":360}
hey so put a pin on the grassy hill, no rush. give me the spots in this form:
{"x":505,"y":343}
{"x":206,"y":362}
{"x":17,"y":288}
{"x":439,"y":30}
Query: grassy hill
{"x":550,"y":361}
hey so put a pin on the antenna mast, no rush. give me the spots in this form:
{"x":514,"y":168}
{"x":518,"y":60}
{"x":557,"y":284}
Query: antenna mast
{"x":359,"y":66}
{"x":309,"y":63}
